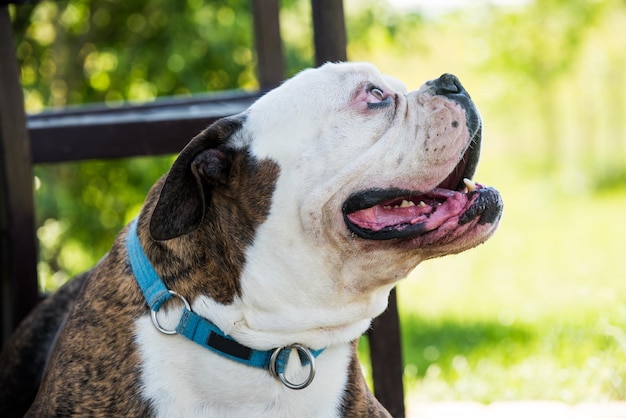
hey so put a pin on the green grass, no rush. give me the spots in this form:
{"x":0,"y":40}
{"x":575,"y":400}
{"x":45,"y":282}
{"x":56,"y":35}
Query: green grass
{"x":537,"y":312}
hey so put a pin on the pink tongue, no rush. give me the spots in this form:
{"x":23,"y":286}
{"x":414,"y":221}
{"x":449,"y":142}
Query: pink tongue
{"x":377,"y":217}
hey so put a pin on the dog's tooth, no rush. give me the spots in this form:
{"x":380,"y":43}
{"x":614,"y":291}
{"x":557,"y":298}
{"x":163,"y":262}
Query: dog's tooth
{"x":422,"y":204}
{"x":388,"y":207}
{"x":406,"y":204}
{"x":471,"y":186}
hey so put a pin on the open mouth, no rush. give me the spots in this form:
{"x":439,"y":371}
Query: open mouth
{"x":383,"y":214}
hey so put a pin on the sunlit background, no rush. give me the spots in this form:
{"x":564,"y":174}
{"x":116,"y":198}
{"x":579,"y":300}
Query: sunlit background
{"x":539,"y":311}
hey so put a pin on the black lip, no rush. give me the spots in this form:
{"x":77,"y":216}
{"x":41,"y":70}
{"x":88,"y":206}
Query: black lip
{"x":410,"y":231}
{"x":372,"y":197}
{"x":488,"y":206}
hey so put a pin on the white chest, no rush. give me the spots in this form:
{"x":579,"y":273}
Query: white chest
{"x":183,"y":379}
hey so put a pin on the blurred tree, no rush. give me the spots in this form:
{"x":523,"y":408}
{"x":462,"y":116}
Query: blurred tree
{"x":535,"y":46}
{"x":110,"y":51}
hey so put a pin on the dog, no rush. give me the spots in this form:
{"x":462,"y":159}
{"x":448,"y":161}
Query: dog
{"x":263,"y":254}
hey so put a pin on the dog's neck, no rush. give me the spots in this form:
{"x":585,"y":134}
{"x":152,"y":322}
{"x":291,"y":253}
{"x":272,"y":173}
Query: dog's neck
{"x":257,"y":322}
{"x":234,"y":293}
{"x":264,"y":330}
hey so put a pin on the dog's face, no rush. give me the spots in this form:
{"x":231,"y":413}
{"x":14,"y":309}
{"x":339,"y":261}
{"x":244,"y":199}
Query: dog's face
{"x":355,"y":182}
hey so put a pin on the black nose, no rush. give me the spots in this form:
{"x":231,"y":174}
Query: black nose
{"x":447,"y":85}
{"x":451,"y":88}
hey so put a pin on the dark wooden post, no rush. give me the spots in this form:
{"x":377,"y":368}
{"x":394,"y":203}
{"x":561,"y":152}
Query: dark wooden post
{"x":329,"y":31}
{"x":18,"y":248}
{"x":386,"y":356}
{"x":269,"y":48}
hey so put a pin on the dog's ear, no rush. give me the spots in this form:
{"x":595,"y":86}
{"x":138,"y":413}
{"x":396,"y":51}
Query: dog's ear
{"x":203,"y":165}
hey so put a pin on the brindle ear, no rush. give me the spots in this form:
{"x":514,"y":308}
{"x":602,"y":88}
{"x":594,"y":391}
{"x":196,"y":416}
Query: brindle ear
{"x":202,"y":165}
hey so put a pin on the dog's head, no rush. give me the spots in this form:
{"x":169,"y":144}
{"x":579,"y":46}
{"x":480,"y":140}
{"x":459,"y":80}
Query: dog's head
{"x":324,"y":194}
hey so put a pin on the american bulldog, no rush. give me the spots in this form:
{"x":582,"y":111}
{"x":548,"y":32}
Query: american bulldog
{"x":263,"y":254}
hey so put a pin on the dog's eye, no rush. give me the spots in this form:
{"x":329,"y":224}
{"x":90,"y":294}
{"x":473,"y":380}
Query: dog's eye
{"x":377,"y":92}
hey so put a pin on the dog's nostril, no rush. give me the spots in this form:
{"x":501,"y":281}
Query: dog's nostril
{"x":448,"y":84}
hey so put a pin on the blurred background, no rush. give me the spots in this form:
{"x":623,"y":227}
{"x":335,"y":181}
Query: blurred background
{"x":539,"y":311}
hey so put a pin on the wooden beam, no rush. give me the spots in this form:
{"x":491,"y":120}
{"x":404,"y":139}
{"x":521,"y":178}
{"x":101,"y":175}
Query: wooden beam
{"x":329,"y":31}
{"x":18,"y":248}
{"x":7,"y":2}
{"x":100,"y":132}
{"x":269,"y":47}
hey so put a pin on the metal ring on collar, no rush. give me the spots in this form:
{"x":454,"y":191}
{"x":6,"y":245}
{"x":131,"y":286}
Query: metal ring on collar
{"x":281,"y":375}
{"x":155,"y":321}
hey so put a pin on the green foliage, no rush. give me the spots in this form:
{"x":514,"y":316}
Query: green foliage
{"x":82,"y":206}
{"x":537,"y":48}
{"x":374,"y":26}
{"x":110,"y":51}
{"x":542,"y":42}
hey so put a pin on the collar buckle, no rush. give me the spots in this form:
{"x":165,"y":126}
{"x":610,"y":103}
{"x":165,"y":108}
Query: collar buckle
{"x":155,"y":320}
{"x":278,"y":363}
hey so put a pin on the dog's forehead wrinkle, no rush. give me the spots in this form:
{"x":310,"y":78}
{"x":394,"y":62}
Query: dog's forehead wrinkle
{"x":283,"y":128}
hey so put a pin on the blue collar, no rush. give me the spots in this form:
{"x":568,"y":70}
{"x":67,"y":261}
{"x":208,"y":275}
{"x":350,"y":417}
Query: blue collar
{"x":203,"y":331}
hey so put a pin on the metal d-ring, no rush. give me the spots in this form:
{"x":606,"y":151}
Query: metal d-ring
{"x":280,"y":375}
{"x":155,"y":321}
